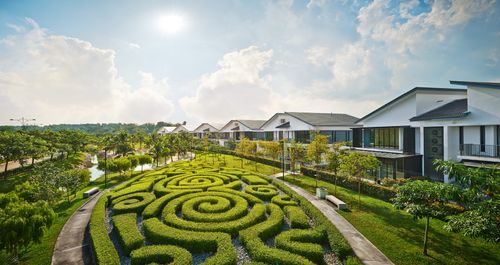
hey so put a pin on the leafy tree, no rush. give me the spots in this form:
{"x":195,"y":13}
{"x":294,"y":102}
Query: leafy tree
{"x":425,"y":199}
{"x":297,"y":153}
{"x":334,"y":157}
{"x":134,"y":162}
{"x":156,"y":144}
{"x":72,"y":180}
{"x":11,"y":147}
{"x":122,"y":164}
{"x":244,"y":148}
{"x":143,"y":160}
{"x":122,"y":143}
{"x":356,"y":165}
{"x":22,"y":223}
{"x":317,"y":148}
{"x":44,"y":182}
{"x":479,"y":195}
{"x":271,"y":149}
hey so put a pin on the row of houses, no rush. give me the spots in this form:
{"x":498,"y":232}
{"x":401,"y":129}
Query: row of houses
{"x":406,"y":134}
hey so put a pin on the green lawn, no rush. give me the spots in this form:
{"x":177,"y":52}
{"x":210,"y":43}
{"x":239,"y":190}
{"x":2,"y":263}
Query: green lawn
{"x":400,"y":237}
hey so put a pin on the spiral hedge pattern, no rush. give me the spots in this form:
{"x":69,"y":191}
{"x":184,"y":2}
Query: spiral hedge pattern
{"x":187,"y":210}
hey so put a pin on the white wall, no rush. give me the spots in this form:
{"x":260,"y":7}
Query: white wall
{"x":428,"y":100}
{"x":472,"y":135}
{"x":484,"y":105}
{"x":295,"y":124}
{"x":397,"y":114}
{"x":417,"y":140}
{"x":453,"y":143}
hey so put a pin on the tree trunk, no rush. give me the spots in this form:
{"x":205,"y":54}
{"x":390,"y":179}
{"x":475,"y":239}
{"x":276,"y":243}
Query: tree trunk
{"x":5,"y":170}
{"x":142,"y":168}
{"x":359,"y":193}
{"x":32,"y":161}
{"x":425,"y":235}
{"x":51,"y":156}
{"x":335,"y":190}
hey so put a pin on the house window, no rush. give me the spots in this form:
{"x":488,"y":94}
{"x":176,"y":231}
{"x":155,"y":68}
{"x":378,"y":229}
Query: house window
{"x":382,"y":137}
{"x":282,"y":120}
{"x":482,"y":132}
{"x":302,"y":136}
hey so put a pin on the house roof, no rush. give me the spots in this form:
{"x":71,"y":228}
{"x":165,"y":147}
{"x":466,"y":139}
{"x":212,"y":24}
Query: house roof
{"x":479,"y":84}
{"x":283,"y":125}
{"x":324,"y":119}
{"x":253,"y":124}
{"x":412,"y":91}
{"x":454,"y":109}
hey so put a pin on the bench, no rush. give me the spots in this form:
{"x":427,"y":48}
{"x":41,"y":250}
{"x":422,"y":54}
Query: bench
{"x":340,"y":204}
{"x":90,"y":192}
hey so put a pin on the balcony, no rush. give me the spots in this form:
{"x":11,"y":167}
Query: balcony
{"x":480,"y":152}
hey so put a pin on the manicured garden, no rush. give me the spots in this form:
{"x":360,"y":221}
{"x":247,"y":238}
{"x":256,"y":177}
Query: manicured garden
{"x":211,"y":211}
{"x":399,"y":236}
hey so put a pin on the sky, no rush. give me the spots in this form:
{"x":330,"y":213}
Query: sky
{"x":213,"y":61}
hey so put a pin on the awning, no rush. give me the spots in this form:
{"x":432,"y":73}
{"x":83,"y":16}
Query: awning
{"x":387,"y":155}
{"x":237,"y":128}
{"x":284,"y":125}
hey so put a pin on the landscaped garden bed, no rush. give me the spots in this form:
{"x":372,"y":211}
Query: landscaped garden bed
{"x":195,"y":213}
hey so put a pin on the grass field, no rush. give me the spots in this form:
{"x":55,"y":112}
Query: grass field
{"x":400,"y":237}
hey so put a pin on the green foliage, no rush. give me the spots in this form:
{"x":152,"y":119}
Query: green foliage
{"x":154,"y":209}
{"x":254,"y":180}
{"x":283,"y":200}
{"x":161,"y":255}
{"x":140,"y":187}
{"x":128,"y":233}
{"x":297,"y":152}
{"x":317,"y":148}
{"x":104,"y":250}
{"x":132,"y":203}
{"x":304,"y":243}
{"x":22,"y":223}
{"x":263,"y":192}
{"x":297,"y":217}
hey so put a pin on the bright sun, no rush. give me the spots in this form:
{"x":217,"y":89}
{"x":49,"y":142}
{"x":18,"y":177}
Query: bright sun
{"x":171,"y":23}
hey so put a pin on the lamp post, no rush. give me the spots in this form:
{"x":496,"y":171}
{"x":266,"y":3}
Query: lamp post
{"x":24,"y":121}
{"x":283,"y":158}
{"x":105,"y":167}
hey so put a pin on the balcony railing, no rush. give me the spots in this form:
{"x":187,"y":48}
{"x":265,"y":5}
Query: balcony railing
{"x":480,"y":150}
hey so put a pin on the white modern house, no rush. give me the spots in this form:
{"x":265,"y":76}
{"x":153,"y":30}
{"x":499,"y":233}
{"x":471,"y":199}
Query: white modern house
{"x":166,"y":130}
{"x":184,"y":128}
{"x":408,"y":133}
{"x":301,"y":126}
{"x":210,"y":129}
{"x":237,"y":129}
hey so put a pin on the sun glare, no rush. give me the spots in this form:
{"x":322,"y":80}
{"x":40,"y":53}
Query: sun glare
{"x":171,"y":23}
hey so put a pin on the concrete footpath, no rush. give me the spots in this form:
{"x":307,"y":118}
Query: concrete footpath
{"x":362,"y":247}
{"x":73,"y":244}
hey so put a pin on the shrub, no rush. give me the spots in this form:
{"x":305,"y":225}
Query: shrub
{"x":283,"y":200}
{"x":128,"y":234}
{"x":161,"y":255}
{"x":337,"y":242}
{"x":253,"y":238}
{"x":300,"y":242}
{"x":220,"y":243}
{"x":254,"y":180}
{"x":142,"y":187}
{"x":104,"y":250}
{"x":263,"y":192}
{"x":154,"y":209}
{"x":250,"y":198}
{"x":235,"y":185}
{"x":352,"y":260}
{"x":297,"y":217}
{"x":202,"y":181}
{"x":135,"y":202}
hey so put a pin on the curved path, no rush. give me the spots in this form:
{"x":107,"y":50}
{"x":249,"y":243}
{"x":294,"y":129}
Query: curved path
{"x":368,"y":253}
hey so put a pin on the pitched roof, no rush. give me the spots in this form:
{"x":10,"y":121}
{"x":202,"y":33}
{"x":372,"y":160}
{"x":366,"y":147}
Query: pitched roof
{"x":414,"y":90}
{"x":283,"y":125}
{"x":479,"y":84}
{"x":454,"y":109}
{"x":324,"y":119}
{"x":252,"y":124}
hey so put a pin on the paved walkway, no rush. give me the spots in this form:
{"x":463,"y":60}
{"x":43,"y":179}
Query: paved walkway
{"x":363,"y":248}
{"x":73,"y":244}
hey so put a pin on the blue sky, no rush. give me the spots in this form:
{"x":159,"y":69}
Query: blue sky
{"x":110,"y":61}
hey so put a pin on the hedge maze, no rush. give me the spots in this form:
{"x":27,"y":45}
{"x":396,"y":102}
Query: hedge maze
{"x":188,"y":213}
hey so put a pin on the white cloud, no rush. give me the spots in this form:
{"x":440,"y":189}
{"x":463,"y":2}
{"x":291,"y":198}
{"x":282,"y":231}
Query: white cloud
{"x":318,"y":3}
{"x":237,"y":89}
{"x":134,"y":45}
{"x":59,"y":79}
{"x":318,"y":55}
{"x":17,"y":28}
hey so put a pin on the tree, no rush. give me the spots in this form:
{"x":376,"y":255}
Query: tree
{"x":44,"y":182}
{"x":425,"y":199}
{"x":122,"y":164}
{"x":244,"y":148}
{"x":22,"y":222}
{"x":10,"y":147}
{"x":356,"y":165}
{"x":479,"y":195}
{"x":122,"y":143}
{"x":134,"y":162}
{"x":334,"y":157}
{"x":297,"y":153}
{"x":272,"y":149}
{"x":144,"y":159}
{"x":156,"y":144}
{"x":316,"y":149}
{"x":72,"y":180}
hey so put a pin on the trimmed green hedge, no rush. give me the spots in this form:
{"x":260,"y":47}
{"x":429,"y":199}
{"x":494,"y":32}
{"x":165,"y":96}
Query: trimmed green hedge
{"x":220,"y":243}
{"x":254,"y":180}
{"x":250,"y":198}
{"x":128,"y":234}
{"x":336,"y":240}
{"x":235,"y":185}
{"x":132,"y":203}
{"x":304,"y":243}
{"x":283,"y":200}
{"x":263,"y":192}
{"x":142,"y":187}
{"x":253,"y":238}
{"x":154,"y":209}
{"x":161,"y":255}
{"x":297,"y":217}
{"x":104,"y":250}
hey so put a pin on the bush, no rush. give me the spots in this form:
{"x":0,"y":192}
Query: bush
{"x":254,"y":180}
{"x":141,"y":187}
{"x":283,"y":200}
{"x":304,"y":243}
{"x":104,"y":250}
{"x":128,"y":234}
{"x":250,"y":198}
{"x":235,"y":185}
{"x":161,"y":255}
{"x":352,"y":260}
{"x":202,"y":181}
{"x":263,"y":192}
{"x":297,"y":217}
{"x":220,"y":243}
{"x":233,"y":220}
{"x":337,"y":242}
{"x":253,"y":238}
{"x":132,"y":203}
{"x":154,"y":209}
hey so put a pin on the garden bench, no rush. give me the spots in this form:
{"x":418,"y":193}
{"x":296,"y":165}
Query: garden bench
{"x":340,"y":204}
{"x":90,"y":192}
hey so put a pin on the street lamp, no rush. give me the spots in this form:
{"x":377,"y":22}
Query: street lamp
{"x":24,"y":121}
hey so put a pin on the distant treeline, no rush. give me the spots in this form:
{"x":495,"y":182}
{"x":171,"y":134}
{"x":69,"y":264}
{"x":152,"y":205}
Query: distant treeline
{"x":94,"y":128}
